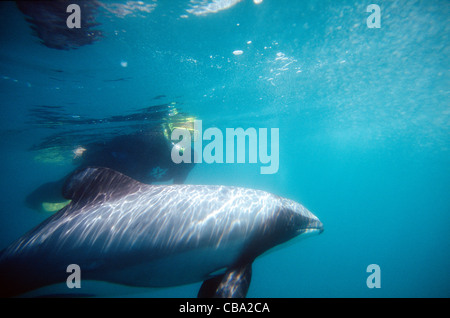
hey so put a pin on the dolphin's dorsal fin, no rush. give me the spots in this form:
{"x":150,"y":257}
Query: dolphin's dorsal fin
{"x":96,"y":183}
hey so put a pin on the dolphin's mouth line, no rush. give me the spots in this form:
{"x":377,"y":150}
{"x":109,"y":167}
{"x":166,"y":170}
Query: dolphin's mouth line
{"x":312,"y":229}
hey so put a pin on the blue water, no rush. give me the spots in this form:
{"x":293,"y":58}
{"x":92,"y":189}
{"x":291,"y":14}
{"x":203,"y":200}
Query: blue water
{"x":363,"y":115}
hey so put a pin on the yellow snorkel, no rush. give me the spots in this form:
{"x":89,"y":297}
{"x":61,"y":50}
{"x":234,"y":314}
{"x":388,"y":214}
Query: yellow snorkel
{"x":178,"y":120}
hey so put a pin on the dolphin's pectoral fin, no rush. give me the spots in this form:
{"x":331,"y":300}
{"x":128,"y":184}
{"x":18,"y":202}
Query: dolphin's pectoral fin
{"x":233,"y":284}
{"x":210,"y":286}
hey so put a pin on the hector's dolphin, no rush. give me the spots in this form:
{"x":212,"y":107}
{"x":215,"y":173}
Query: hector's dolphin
{"x":119,"y":230}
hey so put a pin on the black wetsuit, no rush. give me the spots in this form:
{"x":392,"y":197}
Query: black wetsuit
{"x":145,"y":157}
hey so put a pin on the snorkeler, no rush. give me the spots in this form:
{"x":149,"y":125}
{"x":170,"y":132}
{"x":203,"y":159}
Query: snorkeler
{"x":144,"y":156}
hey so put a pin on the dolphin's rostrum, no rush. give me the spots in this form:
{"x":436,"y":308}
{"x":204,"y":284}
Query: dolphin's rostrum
{"x":122,"y":231}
